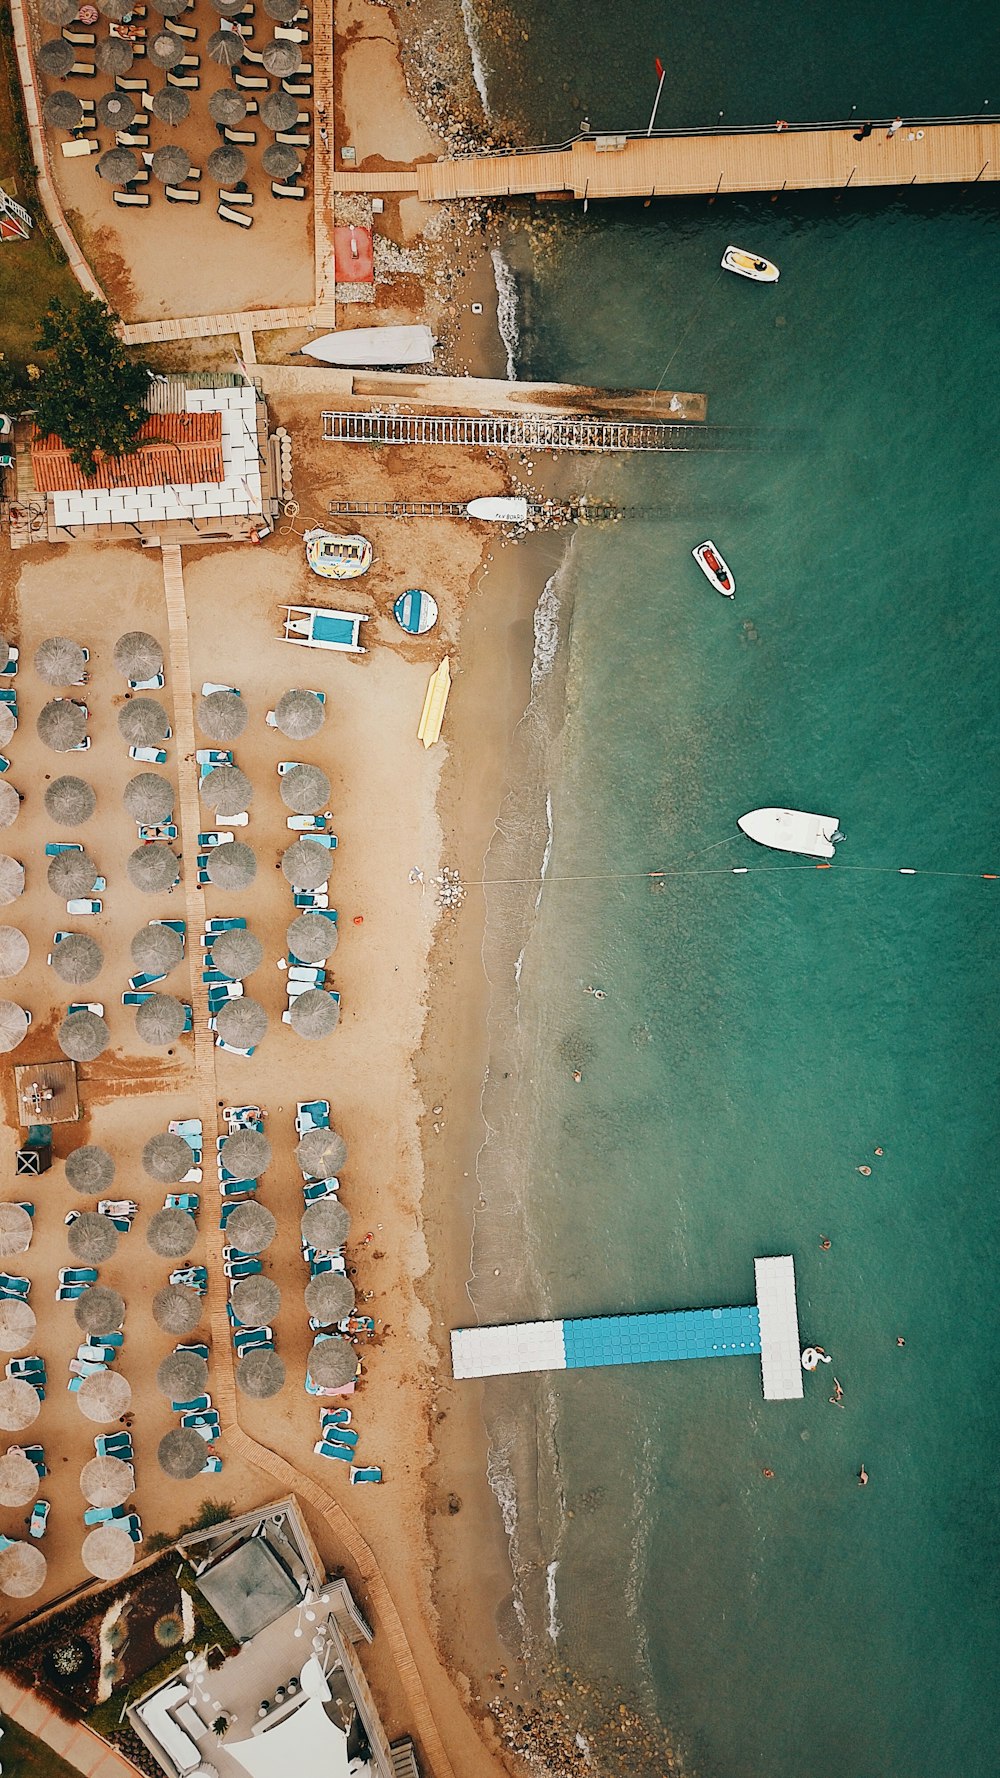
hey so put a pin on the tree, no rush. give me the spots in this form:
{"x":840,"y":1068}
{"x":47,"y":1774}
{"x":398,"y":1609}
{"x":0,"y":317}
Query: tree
{"x":91,"y":394}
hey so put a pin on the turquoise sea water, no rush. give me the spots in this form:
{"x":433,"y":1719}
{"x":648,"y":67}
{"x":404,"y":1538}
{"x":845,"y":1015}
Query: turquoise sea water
{"x":763,"y":1034}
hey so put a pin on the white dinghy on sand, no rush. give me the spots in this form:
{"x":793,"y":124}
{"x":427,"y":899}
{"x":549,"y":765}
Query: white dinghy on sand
{"x":374,"y":346}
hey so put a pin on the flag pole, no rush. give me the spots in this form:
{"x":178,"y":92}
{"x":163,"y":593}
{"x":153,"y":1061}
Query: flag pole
{"x":662,"y":72}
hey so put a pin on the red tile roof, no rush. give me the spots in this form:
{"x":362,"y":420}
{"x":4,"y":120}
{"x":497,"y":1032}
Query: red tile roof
{"x":172,"y":448}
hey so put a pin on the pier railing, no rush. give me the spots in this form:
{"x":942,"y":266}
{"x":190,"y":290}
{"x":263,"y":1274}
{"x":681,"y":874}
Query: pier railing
{"x":716,"y":129}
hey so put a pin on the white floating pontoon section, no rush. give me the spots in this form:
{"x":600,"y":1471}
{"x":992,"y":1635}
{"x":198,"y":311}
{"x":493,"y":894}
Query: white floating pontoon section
{"x":502,"y":1351}
{"x":780,"y":1358}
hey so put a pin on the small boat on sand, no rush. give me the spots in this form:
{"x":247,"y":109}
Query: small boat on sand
{"x":337,"y":558}
{"x":377,"y":346}
{"x":499,"y":509}
{"x":791,"y":830}
{"x":713,"y":565}
{"x":750,"y":265}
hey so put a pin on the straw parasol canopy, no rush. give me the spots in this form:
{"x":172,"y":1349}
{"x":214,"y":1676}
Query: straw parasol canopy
{"x":222,"y":715}
{"x":59,"y":12}
{"x":92,"y":1237}
{"x":156,"y":949}
{"x":255,"y":1301}
{"x":326,"y":1225}
{"x":116,"y":10}
{"x":181,"y":1453}
{"x":228,"y":8}
{"x":167,"y":1157}
{"x":233,"y":866}
{"x":19,"y":1479}
{"x":329,"y":1297}
{"x":251,"y":1228}
{"x":228,"y":106}
{"x":104,"y":1397}
{"x":61,"y":723}
{"x":177,"y":1308}
{"x":77,"y":958}
{"x":280,"y":160}
{"x":282,"y":11}
{"x":171,"y":104}
{"x":20,"y":1405}
{"x":142,"y":722}
{"x":332,"y":1362}
{"x":311,"y":939}
{"x":226,"y":789}
{"x":115,"y":110}
{"x":106,"y":1481}
{"x":15,"y":1229}
{"x":148,"y":797}
{"x":8,"y":721}
{"x":226,"y":164}
{"x":281,"y":58}
{"x":246,"y":1154}
{"x":181,"y":1376}
{"x":153,"y":868}
{"x":13,"y":1025}
{"x":321,"y":1153}
{"x":83,"y":1036}
{"x":260,"y":1374}
{"x":160,"y":1019}
{"x":226,"y":47}
{"x":62,"y":110}
{"x":90,"y":1169}
{"x":108,"y":1552}
{"x":10,"y":802}
{"x":137,"y":654}
{"x":171,"y":163}
{"x":278,"y":112}
{"x":305,"y":789}
{"x":71,"y":873}
{"x":69,"y":801}
{"x":99,"y":1310}
{"x":306,"y":865}
{"x":11,"y":879}
{"x":56,"y":57}
{"x":22,"y":1570}
{"x":164,"y":51}
{"x":14,"y":950}
{"x":118,"y":166}
{"x":114,"y":55}
{"x":172,"y":1234}
{"x":314,"y":1014}
{"x":17,"y":1324}
{"x":170,"y":9}
{"x":241,"y":1022}
{"x":238,"y":953}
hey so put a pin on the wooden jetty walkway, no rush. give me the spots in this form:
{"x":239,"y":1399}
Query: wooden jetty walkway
{"x":803,"y":157}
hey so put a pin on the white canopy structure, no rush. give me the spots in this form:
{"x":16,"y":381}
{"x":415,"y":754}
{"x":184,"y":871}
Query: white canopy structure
{"x":304,"y":1741}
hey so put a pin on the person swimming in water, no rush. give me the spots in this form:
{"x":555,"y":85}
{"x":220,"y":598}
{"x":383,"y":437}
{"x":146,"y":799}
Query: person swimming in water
{"x":837,"y":1397}
{"x":862,"y":1477}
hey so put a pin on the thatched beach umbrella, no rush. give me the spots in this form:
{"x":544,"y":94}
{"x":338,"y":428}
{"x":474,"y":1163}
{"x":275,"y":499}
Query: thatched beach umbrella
{"x":108,"y":1551}
{"x":181,"y":1453}
{"x":115,"y":110}
{"x":260,"y":1374}
{"x":170,"y":9}
{"x":14,"y":950}
{"x":282,"y":11}
{"x":15,"y":1229}
{"x":61,"y":723}
{"x":148,"y":797}
{"x":142,"y":722}
{"x":228,"y":106}
{"x":17,"y":1324}
{"x":222,"y":715}
{"x":7,"y":720}
{"x":314,"y":1014}
{"x":71,"y":873}
{"x":329,"y":1297}
{"x":13,"y":1025}
{"x":306,"y":865}
{"x":56,"y":58}
{"x":246,"y":1154}
{"x":326,"y":1225}
{"x":226,"y":789}
{"x":332,"y":1362}
{"x":321,"y":1153}
{"x":118,"y":166}
{"x":20,"y":1405}
{"x":164,"y":51}
{"x":19,"y":1479}
{"x":182,"y":1376}
{"x":156,"y":949}
{"x":228,"y":8}
{"x":177,"y":1308}
{"x":305,"y":789}
{"x":99,"y":1310}
{"x":77,"y":958}
{"x":69,"y":801}
{"x":255,"y":1301}
{"x":59,"y":12}
{"x":233,"y":866}
{"x":226,"y":164}
{"x":237,"y":953}
{"x":90,"y":1169}
{"x":10,"y":801}
{"x":137,"y":654}
{"x":115,"y":10}
{"x":160,"y":1019}
{"x":171,"y":105}
{"x":241,"y":1022}
{"x":83,"y":1036}
{"x":226,"y":47}
{"x":62,"y":110}
{"x":311,"y":939}
{"x":167,"y":1157}
{"x":281,"y":58}
{"x":170,"y":164}
{"x":251,"y":1228}
{"x":104,"y":1397}
{"x":11,"y":879}
{"x":114,"y":55}
{"x":172,"y":1233}
{"x":280,"y":160}
{"x":107,"y":1481}
{"x":22,"y":1570}
{"x":92,"y":1237}
{"x":153,"y":868}
{"x":279,"y":112}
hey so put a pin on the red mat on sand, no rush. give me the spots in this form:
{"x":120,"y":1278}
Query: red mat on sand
{"x":353,"y":256}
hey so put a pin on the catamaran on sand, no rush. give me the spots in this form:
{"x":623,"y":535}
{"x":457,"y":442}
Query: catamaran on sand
{"x":791,"y":830}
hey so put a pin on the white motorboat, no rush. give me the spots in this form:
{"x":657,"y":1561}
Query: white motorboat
{"x":750,"y":265}
{"x":499,"y":509}
{"x":714,"y":567}
{"x":373,"y":346}
{"x":791,"y":830}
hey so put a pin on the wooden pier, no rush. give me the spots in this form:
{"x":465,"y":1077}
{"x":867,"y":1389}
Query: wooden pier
{"x":512,"y":432}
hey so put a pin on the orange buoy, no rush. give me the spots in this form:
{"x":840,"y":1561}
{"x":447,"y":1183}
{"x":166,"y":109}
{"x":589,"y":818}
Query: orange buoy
{"x":359,"y":919}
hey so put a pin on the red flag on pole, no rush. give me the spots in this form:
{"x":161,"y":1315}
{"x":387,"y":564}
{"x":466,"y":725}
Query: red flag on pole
{"x":659,"y":69}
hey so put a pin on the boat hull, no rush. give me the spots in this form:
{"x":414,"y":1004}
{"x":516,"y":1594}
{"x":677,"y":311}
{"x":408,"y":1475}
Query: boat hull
{"x":373,"y":346}
{"x":715,"y":568}
{"x":792,"y":830}
{"x":750,"y":265}
{"x":337,"y":558}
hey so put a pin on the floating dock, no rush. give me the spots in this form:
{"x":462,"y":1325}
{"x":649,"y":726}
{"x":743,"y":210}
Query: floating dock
{"x":768,"y":1329}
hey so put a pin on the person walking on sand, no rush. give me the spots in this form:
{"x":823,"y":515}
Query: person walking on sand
{"x":864,"y":132}
{"x":896,"y":124}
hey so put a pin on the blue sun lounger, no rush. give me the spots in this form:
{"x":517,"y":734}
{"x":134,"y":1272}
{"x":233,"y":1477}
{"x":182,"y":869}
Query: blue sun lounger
{"x":324,"y":1448}
{"x":369,"y":1474}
